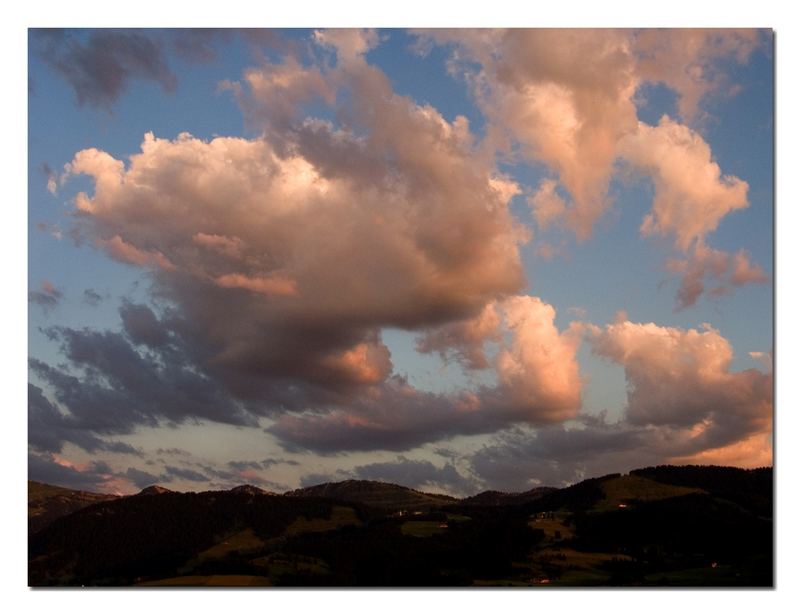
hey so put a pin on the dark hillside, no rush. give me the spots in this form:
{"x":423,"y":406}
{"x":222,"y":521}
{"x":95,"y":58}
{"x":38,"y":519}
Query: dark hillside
{"x":380,"y":495}
{"x":46,"y":503}
{"x":750,"y":488}
{"x":115,"y":542}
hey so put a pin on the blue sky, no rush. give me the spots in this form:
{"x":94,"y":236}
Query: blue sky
{"x":604,"y":288}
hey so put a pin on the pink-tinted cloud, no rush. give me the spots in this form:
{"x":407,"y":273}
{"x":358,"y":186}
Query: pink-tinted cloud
{"x":754,"y":451}
{"x":567,"y":98}
{"x":228,"y":246}
{"x":464,"y":340}
{"x":547,"y":205}
{"x":279,"y":89}
{"x":538,"y":383}
{"x":366,"y":363}
{"x":538,"y":369}
{"x":47,"y":297}
{"x":687,"y":60}
{"x":350,"y":44}
{"x":684,"y":405}
{"x":283,"y":256}
{"x":691,"y":193}
{"x":125,"y":252}
{"x":692,"y":196}
{"x":272,"y":285}
{"x":765,"y":359}
{"x":744,"y":271}
{"x":681,"y":380}
{"x":704,"y":263}
{"x":314,"y":236}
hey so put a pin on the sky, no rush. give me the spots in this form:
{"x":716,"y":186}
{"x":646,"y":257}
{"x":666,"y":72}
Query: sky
{"x":452,"y":259}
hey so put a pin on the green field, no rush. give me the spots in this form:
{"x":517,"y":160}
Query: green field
{"x":630,"y":488}
{"x":422,"y":528}
{"x":722,"y":575}
{"x":554,"y":528}
{"x":280,"y":564}
{"x":341,"y":516}
{"x":238,"y":542}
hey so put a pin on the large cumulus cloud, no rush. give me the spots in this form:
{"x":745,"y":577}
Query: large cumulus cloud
{"x":684,"y":405}
{"x":568,"y":99}
{"x":681,"y":379}
{"x":282,"y":257}
{"x":538,"y":382}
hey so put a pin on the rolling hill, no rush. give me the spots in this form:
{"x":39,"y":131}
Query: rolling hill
{"x":496,"y":497}
{"x":381,"y":495}
{"x":47,"y":502}
{"x":662,"y":526}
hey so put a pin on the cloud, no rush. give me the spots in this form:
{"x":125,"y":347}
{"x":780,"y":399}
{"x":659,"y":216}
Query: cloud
{"x":49,"y":429}
{"x":142,"y":479}
{"x":538,"y":383}
{"x":92,"y":297}
{"x":242,"y":473}
{"x":744,"y":271}
{"x":185,"y":474}
{"x":520,"y":459}
{"x":753,"y":451}
{"x":273,"y":284}
{"x":48,"y":297}
{"x":567,"y":98}
{"x":547,"y":205}
{"x":100,"y":65}
{"x":242,"y":465}
{"x":142,"y":326}
{"x":52,"y":469}
{"x":704,"y":263}
{"x":315,"y":236}
{"x":277,"y":260}
{"x":199,"y":45}
{"x":681,"y":379}
{"x":113,"y":387}
{"x":269,"y":462}
{"x":51,"y":177}
{"x":691,"y":194}
{"x":118,"y":249}
{"x":538,"y":369}
{"x":684,"y":405}
{"x":464,"y":340}
{"x":765,"y":359}
{"x":691,"y":61}
{"x":172,"y":452}
{"x":418,"y":474}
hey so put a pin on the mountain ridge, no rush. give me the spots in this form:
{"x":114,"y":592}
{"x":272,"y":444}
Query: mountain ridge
{"x":686,"y":529}
{"x":375,"y":493}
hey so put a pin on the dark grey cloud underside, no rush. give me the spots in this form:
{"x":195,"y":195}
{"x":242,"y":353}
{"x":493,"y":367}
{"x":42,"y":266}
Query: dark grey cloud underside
{"x":100,"y":66}
{"x":46,"y":300}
